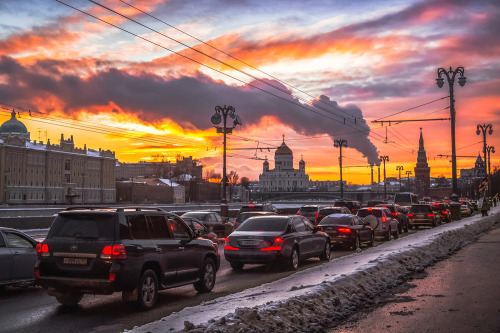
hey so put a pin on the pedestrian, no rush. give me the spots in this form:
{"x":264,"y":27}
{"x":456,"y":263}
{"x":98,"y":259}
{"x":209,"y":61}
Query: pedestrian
{"x":485,"y":207}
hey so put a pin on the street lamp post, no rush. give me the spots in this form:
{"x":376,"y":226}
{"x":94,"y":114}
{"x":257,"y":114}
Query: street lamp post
{"x":485,"y":128}
{"x":220,"y":115}
{"x":399,"y":168}
{"x":408,"y":174}
{"x":450,"y":76}
{"x":384,"y":159}
{"x":339,"y":143}
{"x":489,"y":149}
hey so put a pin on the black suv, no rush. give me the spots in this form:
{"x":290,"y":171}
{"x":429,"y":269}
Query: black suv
{"x":137,"y":251}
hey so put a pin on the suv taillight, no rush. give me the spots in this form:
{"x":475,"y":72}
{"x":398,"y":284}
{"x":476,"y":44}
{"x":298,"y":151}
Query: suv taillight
{"x":384,"y":219}
{"x":298,"y":213}
{"x":410,"y":215}
{"x":430,"y":215}
{"x":42,"y":250}
{"x":394,"y":214}
{"x":114,"y":252}
{"x":316,"y":214}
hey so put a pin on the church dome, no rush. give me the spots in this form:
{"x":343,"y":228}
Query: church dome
{"x":283,"y":150}
{"x":13,"y":125}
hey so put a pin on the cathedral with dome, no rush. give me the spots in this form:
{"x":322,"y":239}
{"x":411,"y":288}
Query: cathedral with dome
{"x":34,"y":172}
{"x":283,"y":178}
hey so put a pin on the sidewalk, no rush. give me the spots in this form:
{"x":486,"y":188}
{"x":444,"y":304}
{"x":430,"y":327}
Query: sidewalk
{"x":459,"y":294}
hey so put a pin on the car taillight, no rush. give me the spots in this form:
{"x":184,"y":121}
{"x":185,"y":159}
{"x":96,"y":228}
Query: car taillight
{"x":112,"y":276}
{"x":394,"y":214}
{"x":298,"y":213}
{"x":114,"y":252}
{"x":384,"y":218}
{"x":37,"y":273}
{"x":278,"y":242}
{"x":42,"y":250}
{"x":229,"y":247}
{"x":445,"y":212}
{"x":410,"y":215}
{"x":317,"y":214}
{"x":430,"y":215}
{"x":344,"y":230}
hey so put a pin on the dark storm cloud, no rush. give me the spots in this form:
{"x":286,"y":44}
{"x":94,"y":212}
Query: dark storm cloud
{"x":189,"y":101}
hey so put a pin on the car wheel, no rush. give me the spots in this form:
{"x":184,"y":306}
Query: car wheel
{"x":294,"y":259}
{"x":207,"y":277}
{"x":147,"y":290}
{"x":356,"y":243}
{"x":372,"y":240}
{"x":388,"y":235}
{"x":69,"y":298}
{"x":396,"y":233}
{"x":325,"y":256}
{"x":236,"y":265}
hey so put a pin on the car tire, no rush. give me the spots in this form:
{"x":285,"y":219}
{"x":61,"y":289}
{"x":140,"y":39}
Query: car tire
{"x":207,"y":277}
{"x":388,"y":235}
{"x":327,"y":252}
{"x":236,"y":265}
{"x":356,"y":245}
{"x":372,"y":240}
{"x":69,"y":298}
{"x":147,"y":290}
{"x":294,"y":259}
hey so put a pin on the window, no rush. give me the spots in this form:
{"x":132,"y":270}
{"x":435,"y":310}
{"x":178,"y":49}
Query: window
{"x":138,"y":226}
{"x":159,"y":227}
{"x":179,"y":229}
{"x":18,"y":241}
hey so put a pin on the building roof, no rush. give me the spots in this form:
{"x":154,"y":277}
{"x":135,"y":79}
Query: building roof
{"x":13,"y":125}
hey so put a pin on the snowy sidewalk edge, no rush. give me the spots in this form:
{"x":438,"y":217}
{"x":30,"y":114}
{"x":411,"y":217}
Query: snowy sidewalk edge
{"x":332,"y":291}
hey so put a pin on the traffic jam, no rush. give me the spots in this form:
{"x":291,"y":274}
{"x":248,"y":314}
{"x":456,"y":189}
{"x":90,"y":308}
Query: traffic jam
{"x":140,"y":251}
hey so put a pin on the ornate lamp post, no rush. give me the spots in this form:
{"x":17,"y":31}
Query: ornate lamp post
{"x":408,"y":174}
{"x":339,"y":143}
{"x":220,"y":115}
{"x":489,"y":149}
{"x":484,"y":129}
{"x":384,"y":159}
{"x":399,"y":168}
{"x":450,"y":76}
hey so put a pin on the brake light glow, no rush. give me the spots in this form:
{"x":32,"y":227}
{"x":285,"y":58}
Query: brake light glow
{"x":430,"y":215}
{"x":37,"y":273}
{"x":384,"y":218}
{"x":278,"y":242}
{"x":112,"y":277}
{"x":42,"y":250}
{"x":344,"y":229}
{"x":298,"y":213}
{"x":316,"y":214}
{"x":445,"y":212}
{"x":370,"y":208}
{"x":229,"y":247}
{"x":251,"y":206}
{"x":114,"y":252}
{"x":394,"y":214}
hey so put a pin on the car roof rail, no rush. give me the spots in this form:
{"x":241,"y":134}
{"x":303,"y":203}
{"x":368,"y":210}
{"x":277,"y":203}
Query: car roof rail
{"x":140,"y":209}
{"x":86,"y":208}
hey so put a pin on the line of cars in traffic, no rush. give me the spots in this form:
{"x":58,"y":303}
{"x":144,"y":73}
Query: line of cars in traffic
{"x":139,"y":251}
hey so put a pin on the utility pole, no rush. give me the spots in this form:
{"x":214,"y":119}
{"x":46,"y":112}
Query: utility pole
{"x":384,"y":159}
{"x":399,"y":168}
{"x":450,"y":76}
{"x":221,"y":114}
{"x":339,"y":143}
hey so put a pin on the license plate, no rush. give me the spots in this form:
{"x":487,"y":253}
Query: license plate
{"x":75,"y":261}
{"x":420,"y":216}
{"x":249,"y":242}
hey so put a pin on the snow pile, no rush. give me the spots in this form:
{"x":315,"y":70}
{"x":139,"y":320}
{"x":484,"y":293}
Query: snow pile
{"x":314,"y":299}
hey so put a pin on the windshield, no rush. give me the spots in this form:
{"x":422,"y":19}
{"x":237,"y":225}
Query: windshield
{"x":420,"y":209}
{"x":83,"y":226}
{"x":264,"y":224}
{"x":199,"y":216}
{"x":366,"y":212}
{"x":243,"y":216}
{"x":344,"y":220}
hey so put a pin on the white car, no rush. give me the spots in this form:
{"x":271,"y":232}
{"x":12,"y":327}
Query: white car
{"x":465,"y":210}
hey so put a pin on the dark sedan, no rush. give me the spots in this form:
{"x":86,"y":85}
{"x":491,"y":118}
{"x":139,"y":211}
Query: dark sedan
{"x":347,"y":230}
{"x":267,"y":239}
{"x":17,"y":258}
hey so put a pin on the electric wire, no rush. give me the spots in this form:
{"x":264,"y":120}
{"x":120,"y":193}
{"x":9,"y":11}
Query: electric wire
{"x":412,"y":108}
{"x":363,"y":130}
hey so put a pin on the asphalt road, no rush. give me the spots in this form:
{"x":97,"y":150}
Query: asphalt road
{"x":458,"y":295}
{"x":32,"y":310}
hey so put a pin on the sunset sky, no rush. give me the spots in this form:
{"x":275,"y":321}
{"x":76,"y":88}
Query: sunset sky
{"x":313,"y":71}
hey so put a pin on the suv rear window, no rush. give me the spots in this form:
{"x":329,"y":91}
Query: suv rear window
{"x":366,"y":212}
{"x":93,"y":226}
{"x":420,"y":209}
{"x":310,"y":209}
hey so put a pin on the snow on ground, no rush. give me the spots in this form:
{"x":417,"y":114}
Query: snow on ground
{"x":313,"y":299}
